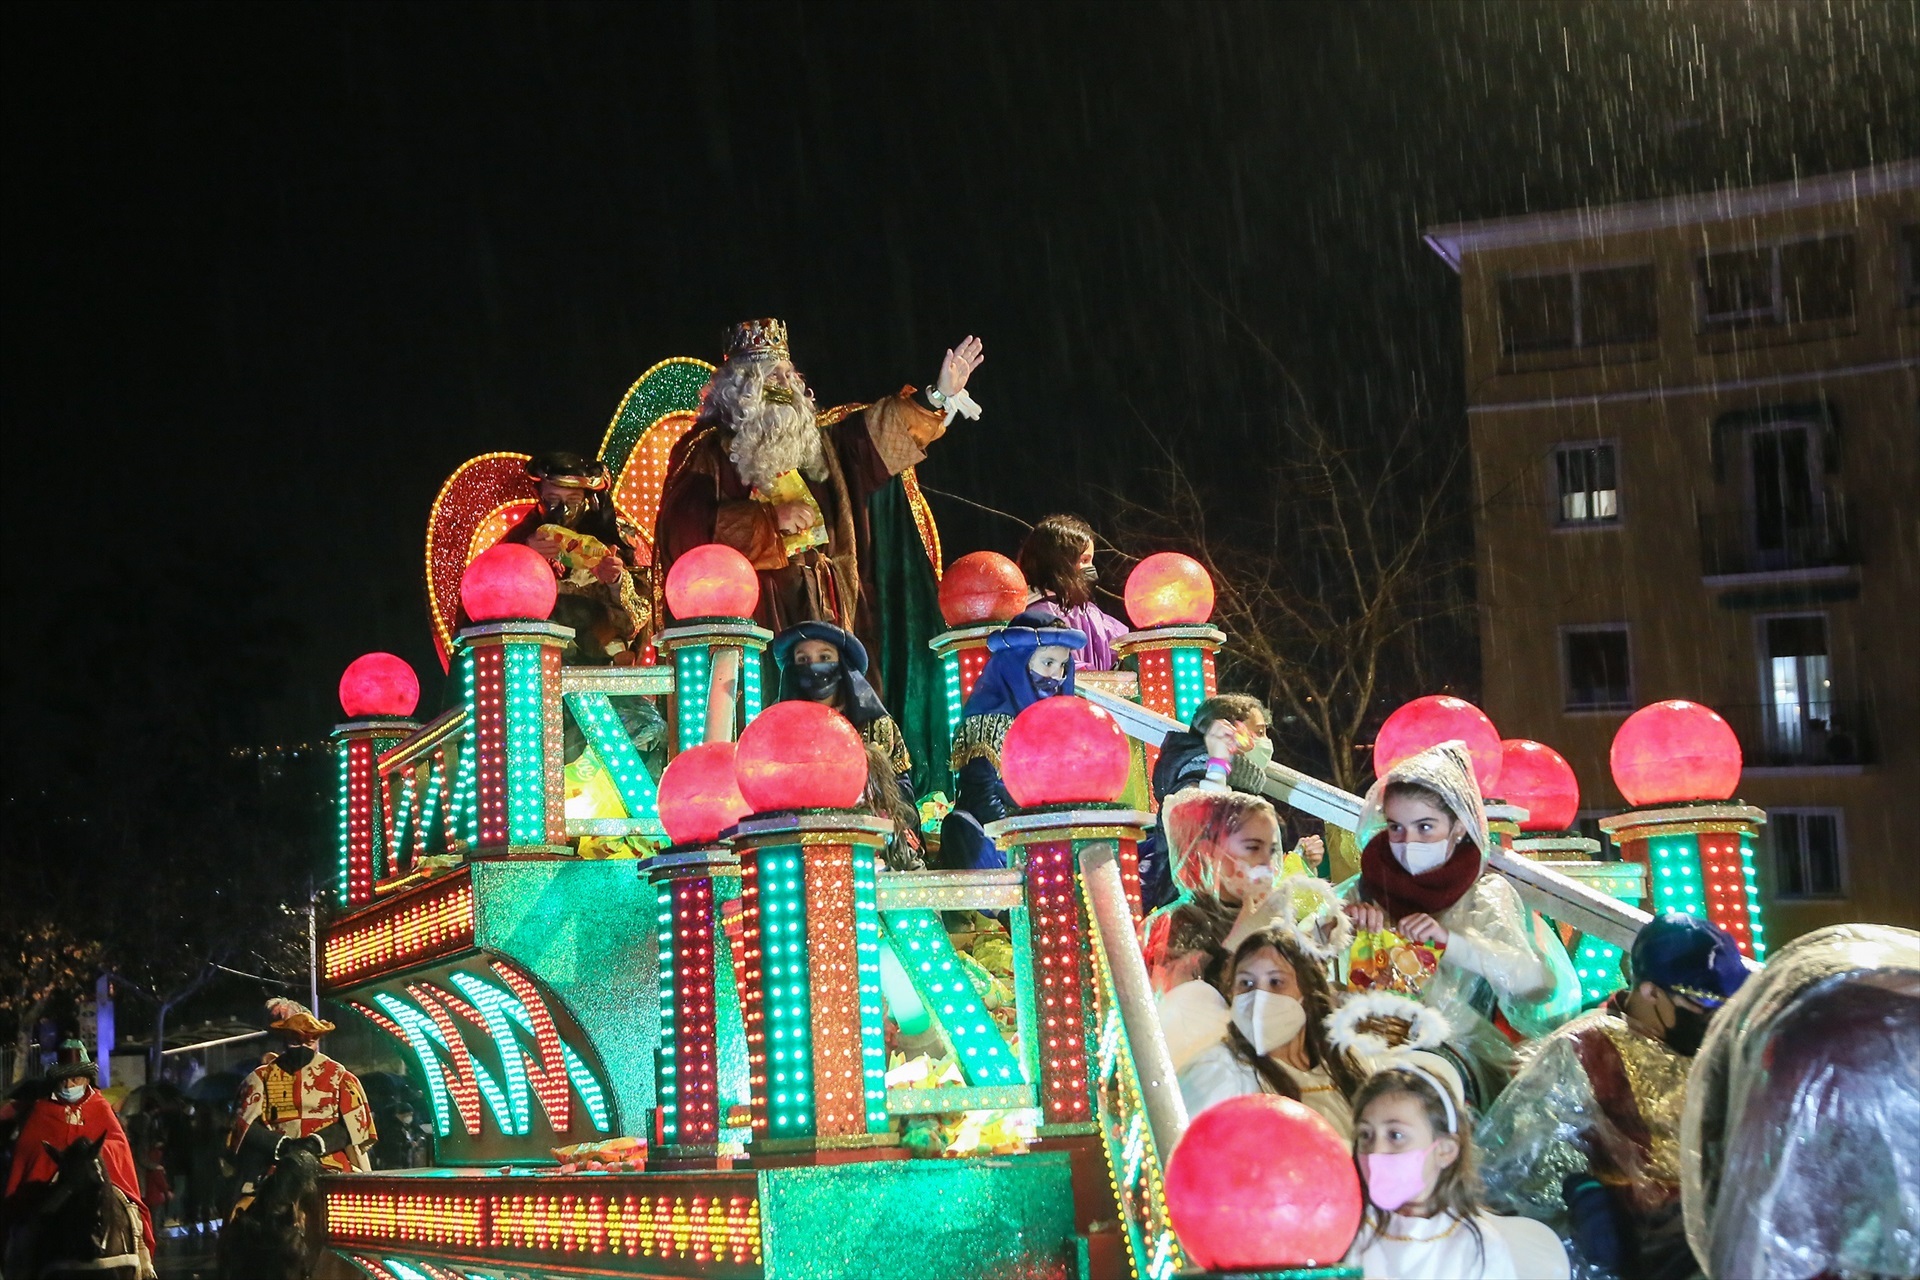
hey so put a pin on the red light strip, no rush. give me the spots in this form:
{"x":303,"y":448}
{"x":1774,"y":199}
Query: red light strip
{"x":1156,"y":679}
{"x":973,"y":661}
{"x":1723,"y":870}
{"x":1061,"y":979}
{"x":461,"y":1084}
{"x":490,"y":743}
{"x":360,"y":820}
{"x":753,"y":1005}
{"x":549,"y":1079}
{"x":833,"y":983}
{"x":695,"y":1044}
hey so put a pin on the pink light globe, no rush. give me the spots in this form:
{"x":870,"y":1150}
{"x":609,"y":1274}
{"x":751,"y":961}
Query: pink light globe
{"x":379,"y":686}
{"x":981,"y":586}
{"x":699,"y":797}
{"x":1261,"y":1183}
{"x":1538,"y":779}
{"x":1432,"y":720}
{"x":1064,"y":750}
{"x":800,"y":755}
{"x":1673,"y":752}
{"x":508,"y":580}
{"x":1168,"y":589}
{"x":712,"y":581}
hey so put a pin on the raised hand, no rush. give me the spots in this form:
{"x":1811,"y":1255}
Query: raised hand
{"x":959,"y":364}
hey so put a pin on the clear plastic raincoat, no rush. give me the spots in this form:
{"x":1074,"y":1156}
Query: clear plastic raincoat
{"x":1496,"y":953}
{"x":1800,"y":1142}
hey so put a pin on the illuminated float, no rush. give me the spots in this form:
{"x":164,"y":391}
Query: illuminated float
{"x":691,"y":1063}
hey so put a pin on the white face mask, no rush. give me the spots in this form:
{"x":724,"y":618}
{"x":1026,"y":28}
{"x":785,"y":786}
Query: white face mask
{"x":1268,"y":1020}
{"x":71,"y":1091}
{"x":1421,"y":856}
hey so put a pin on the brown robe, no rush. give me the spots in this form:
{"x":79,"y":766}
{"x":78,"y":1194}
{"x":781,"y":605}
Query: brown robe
{"x":704,"y":500}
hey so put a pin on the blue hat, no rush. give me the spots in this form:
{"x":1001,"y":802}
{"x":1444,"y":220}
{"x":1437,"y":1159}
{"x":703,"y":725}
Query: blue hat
{"x":1688,"y":957}
{"x":853,"y":654}
{"x":1003,"y":687}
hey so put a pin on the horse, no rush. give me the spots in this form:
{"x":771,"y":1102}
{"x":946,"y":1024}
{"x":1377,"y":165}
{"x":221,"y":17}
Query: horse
{"x":279,"y":1235}
{"x":82,"y":1225}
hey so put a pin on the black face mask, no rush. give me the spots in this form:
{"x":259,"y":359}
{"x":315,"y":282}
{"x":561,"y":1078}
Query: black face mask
{"x":1686,"y":1033}
{"x":817,"y":681}
{"x":1046,"y":686}
{"x":1089,"y":574}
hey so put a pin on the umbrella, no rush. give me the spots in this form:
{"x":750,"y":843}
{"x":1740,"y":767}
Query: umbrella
{"x":221,"y":1087}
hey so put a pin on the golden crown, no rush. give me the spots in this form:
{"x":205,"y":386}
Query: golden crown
{"x":758,"y":339}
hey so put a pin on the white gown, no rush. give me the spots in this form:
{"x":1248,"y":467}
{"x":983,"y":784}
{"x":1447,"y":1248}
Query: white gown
{"x":1218,"y":1073}
{"x":1443,"y":1248}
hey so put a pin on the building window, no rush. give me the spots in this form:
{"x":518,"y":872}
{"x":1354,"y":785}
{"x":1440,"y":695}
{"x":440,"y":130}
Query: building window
{"x":1780,"y":284}
{"x":1572,"y":310}
{"x":1809,"y":853}
{"x":1586,"y":484}
{"x":1597,"y":666}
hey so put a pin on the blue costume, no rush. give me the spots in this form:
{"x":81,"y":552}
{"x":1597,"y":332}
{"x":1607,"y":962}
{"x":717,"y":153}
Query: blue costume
{"x":1005,"y":688}
{"x":843,"y":686}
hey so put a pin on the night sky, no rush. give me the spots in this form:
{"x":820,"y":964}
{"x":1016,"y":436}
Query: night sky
{"x":274,"y":271}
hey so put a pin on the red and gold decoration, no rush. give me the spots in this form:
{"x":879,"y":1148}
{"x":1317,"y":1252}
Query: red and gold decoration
{"x":1679,"y":764}
{"x":379,"y":686}
{"x":1171,"y":650}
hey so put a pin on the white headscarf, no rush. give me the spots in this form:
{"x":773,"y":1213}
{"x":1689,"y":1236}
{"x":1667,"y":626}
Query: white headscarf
{"x":1447,"y":771}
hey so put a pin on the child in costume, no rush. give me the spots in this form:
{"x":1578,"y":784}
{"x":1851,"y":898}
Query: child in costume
{"x":1057,"y":559}
{"x":1423,"y":832}
{"x":1031,"y":658}
{"x":1413,"y":1143}
{"x":1276,"y":1041}
{"x":1587,"y":1137}
{"x":820,"y":662}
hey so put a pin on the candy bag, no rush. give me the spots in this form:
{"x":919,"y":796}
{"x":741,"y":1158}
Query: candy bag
{"x":1384,"y":961}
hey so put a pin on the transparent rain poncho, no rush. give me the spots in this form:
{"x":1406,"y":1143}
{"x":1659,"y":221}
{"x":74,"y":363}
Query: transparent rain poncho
{"x":1800,"y":1144}
{"x":1497,"y":953}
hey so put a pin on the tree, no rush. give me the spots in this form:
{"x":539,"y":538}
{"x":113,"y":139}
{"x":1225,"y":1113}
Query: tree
{"x":41,"y":962}
{"x":1339,"y":564}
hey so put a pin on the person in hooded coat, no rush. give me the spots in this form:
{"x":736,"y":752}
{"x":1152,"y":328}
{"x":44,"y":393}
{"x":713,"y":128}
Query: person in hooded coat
{"x":1031,"y":658}
{"x":1587,"y":1137}
{"x":1798,"y":1154}
{"x":1423,"y":874}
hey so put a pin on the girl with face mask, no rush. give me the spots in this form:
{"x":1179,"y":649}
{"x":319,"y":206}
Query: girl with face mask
{"x":820,"y":662}
{"x":1413,"y":1143}
{"x":1423,"y":875}
{"x":1276,"y":1041}
{"x":1029,"y":659}
{"x":1057,"y":559}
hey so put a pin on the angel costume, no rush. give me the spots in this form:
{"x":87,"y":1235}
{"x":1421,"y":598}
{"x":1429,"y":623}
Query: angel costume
{"x":1495,"y":956}
{"x":1445,"y":1247}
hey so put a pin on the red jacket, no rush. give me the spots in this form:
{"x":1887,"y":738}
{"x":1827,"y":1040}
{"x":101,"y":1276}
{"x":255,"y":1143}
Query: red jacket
{"x":57,"y":1123}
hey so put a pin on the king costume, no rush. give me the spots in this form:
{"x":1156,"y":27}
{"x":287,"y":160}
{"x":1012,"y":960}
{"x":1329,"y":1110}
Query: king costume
{"x":873,"y":538}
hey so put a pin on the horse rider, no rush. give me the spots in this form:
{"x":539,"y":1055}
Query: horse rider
{"x":63,"y":1107}
{"x":303,"y":1097}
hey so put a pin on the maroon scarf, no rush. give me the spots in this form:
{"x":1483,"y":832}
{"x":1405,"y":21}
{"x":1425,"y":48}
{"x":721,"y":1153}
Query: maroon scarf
{"x":1399,"y":893}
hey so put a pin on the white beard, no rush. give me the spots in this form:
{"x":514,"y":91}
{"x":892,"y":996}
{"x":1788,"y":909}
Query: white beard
{"x":775,"y":439}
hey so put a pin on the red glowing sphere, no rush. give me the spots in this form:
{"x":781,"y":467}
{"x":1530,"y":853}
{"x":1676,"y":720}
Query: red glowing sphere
{"x":1671,"y":752}
{"x":981,"y":586}
{"x":379,"y":685}
{"x":508,"y":580}
{"x":1432,"y":720}
{"x":1168,"y":589}
{"x":1261,"y":1183}
{"x":713,"y":581}
{"x":699,"y":797}
{"x":801,"y":755}
{"x":1538,"y":779}
{"x":1064,"y":750}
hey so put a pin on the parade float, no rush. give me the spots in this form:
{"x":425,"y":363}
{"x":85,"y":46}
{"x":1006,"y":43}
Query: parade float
{"x":627,"y":927}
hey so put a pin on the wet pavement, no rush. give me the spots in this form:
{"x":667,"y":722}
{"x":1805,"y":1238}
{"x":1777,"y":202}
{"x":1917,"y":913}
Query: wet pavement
{"x":186,"y":1257}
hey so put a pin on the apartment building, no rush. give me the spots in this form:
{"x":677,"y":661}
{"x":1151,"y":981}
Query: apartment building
{"x":1695,"y":433}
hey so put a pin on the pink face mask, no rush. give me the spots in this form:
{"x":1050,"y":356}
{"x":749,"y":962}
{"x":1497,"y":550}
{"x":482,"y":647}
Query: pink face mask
{"x":1396,"y":1178}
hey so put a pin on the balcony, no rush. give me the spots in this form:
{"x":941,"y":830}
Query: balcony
{"x":1748,"y":545}
{"x":1834,"y":734}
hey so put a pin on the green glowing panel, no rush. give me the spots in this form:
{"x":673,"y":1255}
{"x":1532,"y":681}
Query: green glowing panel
{"x":919,"y":1219}
{"x":605,"y":732}
{"x":342,"y":809}
{"x":1189,"y":681}
{"x":1754,"y":921}
{"x":919,"y":939}
{"x":463,"y":819}
{"x":589,"y":931}
{"x":873,"y":1039}
{"x":749,"y":687}
{"x":526,"y":745}
{"x":665,"y":1072}
{"x":1675,"y":877}
{"x":690,"y":683}
{"x":1598,"y":965}
{"x":786,"y":984}
{"x":672,"y":386}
